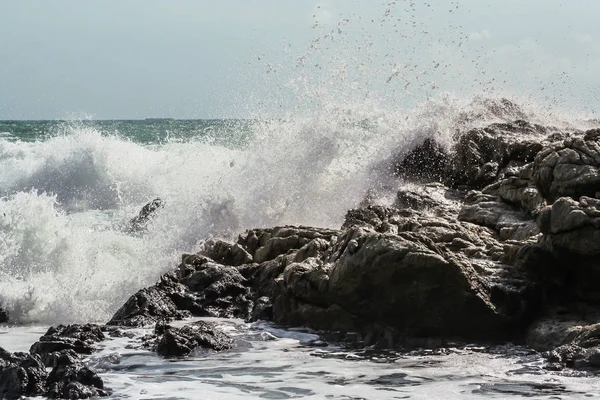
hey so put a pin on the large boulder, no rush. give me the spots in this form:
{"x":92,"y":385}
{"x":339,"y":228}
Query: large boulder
{"x":179,"y":342}
{"x":481,"y":155}
{"x":21,"y":374}
{"x":395,"y":274}
{"x":152,"y":304}
{"x":80,"y":339}
{"x":72,"y":379}
{"x":569,"y":338}
{"x":569,"y":167}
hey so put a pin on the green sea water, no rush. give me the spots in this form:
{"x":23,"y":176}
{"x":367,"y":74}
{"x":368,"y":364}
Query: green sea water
{"x":225,"y":132}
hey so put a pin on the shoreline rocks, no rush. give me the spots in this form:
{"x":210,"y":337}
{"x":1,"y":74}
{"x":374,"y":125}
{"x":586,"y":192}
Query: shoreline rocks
{"x":478,"y":248}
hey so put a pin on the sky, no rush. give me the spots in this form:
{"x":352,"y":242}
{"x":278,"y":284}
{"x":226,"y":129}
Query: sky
{"x":114,"y":59}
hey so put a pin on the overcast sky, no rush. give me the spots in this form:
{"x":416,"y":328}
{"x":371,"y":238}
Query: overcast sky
{"x":239,"y":58}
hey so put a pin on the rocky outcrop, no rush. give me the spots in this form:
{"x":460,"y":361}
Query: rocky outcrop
{"x":21,"y":374}
{"x":492,"y":233}
{"x":179,"y":342}
{"x":483,"y":155}
{"x":569,"y":168}
{"x":80,"y":339}
{"x":26,"y":374}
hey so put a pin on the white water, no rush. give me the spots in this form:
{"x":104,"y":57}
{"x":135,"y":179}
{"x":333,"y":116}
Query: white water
{"x":269,"y":363}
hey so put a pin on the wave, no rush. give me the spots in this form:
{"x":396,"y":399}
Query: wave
{"x":64,"y":256}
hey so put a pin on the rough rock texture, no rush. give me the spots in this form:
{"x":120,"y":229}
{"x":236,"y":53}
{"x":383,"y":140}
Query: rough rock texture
{"x":569,"y":167}
{"x":152,"y":304}
{"x":78,"y":338}
{"x":71,"y":379}
{"x":482,"y":155}
{"x":21,"y":374}
{"x":179,"y":342}
{"x":147,"y":213}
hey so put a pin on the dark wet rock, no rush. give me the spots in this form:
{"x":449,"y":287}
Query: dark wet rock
{"x":226,"y":253}
{"x":80,"y":339}
{"x":433,"y":197}
{"x":21,"y":374}
{"x":569,"y":168}
{"x":267,"y":244}
{"x":426,"y":162}
{"x":391,"y":267}
{"x":147,"y":213}
{"x":569,"y":339}
{"x":220,"y":291}
{"x":71,"y":379}
{"x":566,"y":260}
{"x":179,"y":342}
{"x":263,"y":310}
{"x":481,"y":155}
{"x":152,"y":304}
{"x":3,"y":315}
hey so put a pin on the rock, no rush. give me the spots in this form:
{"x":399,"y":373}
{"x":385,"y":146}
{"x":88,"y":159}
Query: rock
{"x":21,"y":374}
{"x":426,"y":162}
{"x":77,"y":338}
{"x":267,"y":244}
{"x":488,"y":210}
{"x":570,"y":340}
{"x":481,"y":155}
{"x":147,"y":213}
{"x":226,"y":253}
{"x":565,"y":260}
{"x":71,"y":379}
{"x":3,"y":315}
{"x":152,"y":304}
{"x":221,"y":291}
{"x":569,"y":168}
{"x":388,"y":269}
{"x":179,"y":342}
{"x":435,"y":198}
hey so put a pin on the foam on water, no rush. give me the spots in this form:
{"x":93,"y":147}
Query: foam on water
{"x":272,"y":363}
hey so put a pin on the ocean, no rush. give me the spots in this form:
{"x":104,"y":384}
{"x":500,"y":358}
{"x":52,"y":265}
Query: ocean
{"x":69,"y":188}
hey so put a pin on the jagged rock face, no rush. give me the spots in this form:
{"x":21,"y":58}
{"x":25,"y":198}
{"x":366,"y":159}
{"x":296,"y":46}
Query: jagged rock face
{"x":481,"y":155}
{"x":77,"y":338}
{"x":152,"y":304}
{"x":71,"y":379}
{"x":569,"y":168}
{"x":427,"y":162}
{"x":21,"y":374}
{"x":389,"y":269}
{"x":179,"y":342}
{"x":266,"y":244}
